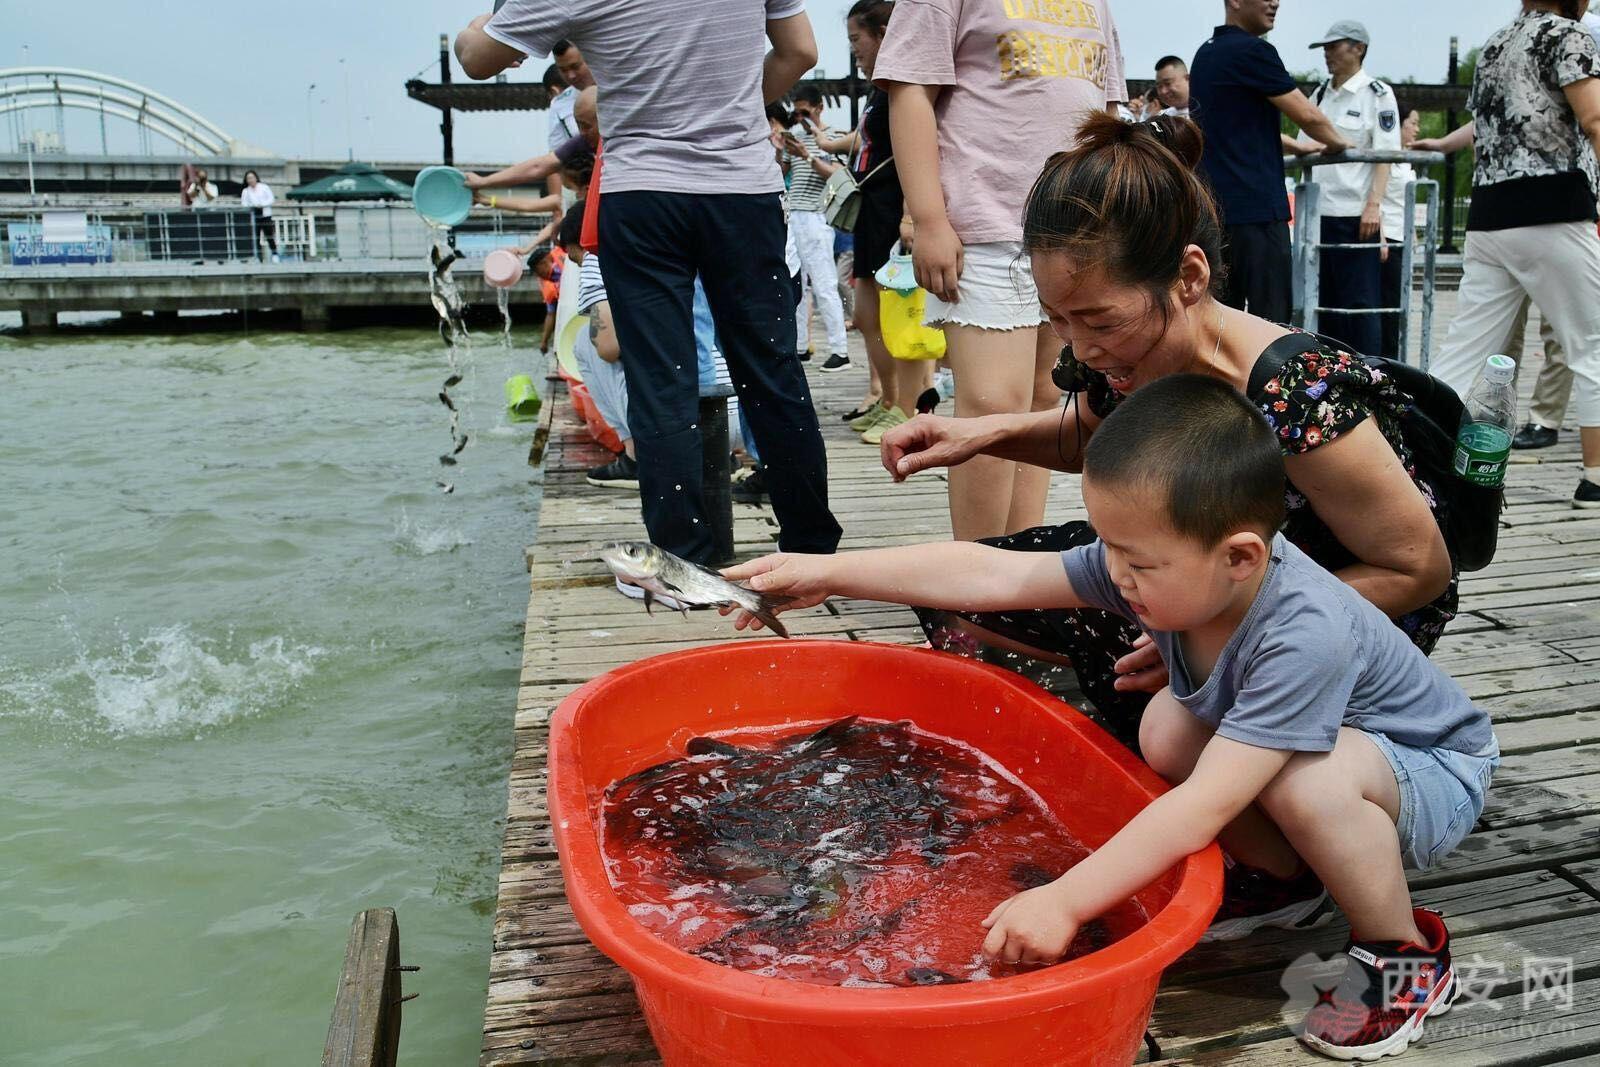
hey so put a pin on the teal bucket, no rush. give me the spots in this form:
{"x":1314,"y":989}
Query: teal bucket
{"x":522,"y":399}
{"x":441,"y":196}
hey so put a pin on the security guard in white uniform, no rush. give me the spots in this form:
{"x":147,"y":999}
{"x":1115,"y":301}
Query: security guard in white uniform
{"x":1364,"y":111}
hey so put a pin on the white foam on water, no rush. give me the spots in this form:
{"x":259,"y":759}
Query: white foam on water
{"x":422,"y":539}
{"x":166,"y":683}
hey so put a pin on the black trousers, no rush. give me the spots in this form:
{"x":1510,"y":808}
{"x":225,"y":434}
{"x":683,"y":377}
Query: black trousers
{"x":652,"y":244}
{"x":1390,"y":285}
{"x":1350,"y":278}
{"x":264,"y":228}
{"x":1260,"y":271}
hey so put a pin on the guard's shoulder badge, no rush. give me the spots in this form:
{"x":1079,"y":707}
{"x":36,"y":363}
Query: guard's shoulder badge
{"x":1380,"y":88}
{"x":1386,"y":120}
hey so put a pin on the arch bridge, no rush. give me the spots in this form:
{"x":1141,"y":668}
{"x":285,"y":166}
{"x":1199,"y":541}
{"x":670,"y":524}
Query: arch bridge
{"x":57,"y":89}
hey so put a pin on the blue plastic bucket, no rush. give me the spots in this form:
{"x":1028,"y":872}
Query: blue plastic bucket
{"x":441,"y":196}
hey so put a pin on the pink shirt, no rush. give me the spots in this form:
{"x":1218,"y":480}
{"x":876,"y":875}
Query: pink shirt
{"x":1020,"y":77}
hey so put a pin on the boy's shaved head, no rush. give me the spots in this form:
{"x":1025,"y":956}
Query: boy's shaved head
{"x":1201,"y":449}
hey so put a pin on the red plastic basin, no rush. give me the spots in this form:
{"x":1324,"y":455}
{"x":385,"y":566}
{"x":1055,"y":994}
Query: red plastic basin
{"x":1092,"y":1010}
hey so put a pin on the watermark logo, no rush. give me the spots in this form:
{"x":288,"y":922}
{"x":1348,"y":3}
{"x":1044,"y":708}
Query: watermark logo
{"x":1307,"y":982}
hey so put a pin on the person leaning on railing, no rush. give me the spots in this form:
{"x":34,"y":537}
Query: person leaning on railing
{"x":1535,"y":100}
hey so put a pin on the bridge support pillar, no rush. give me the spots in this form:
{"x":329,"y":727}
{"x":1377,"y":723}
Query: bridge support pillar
{"x":38,"y":320}
{"x":314,"y":317}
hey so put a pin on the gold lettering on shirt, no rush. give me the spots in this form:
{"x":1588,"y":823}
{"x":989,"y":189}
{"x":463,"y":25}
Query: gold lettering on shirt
{"x":1074,"y":14}
{"x":1029,"y":54}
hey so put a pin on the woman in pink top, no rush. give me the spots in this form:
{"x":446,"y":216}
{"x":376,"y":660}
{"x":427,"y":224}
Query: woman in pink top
{"x":981,"y":93}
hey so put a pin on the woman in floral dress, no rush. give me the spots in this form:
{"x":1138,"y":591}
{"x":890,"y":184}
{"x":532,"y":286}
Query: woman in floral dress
{"x":1123,"y":237}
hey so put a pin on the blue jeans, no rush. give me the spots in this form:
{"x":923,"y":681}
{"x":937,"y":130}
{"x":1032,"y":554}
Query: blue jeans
{"x":705,"y":337}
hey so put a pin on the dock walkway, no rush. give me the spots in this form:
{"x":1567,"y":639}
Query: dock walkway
{"x":1522,"y":894}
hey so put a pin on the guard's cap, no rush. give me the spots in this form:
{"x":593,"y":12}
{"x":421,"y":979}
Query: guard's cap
{"x":1347,"y":30}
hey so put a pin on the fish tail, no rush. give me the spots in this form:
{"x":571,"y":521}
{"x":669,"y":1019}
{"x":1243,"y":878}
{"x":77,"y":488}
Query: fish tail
{"x":765,"y":611}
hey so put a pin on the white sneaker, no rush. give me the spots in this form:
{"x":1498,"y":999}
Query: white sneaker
{"x":637,"y":592}
{"x":275,"y":257}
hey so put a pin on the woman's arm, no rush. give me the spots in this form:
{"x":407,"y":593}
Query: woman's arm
{"x":915,"y":132}
{"x":822,"y":165}
{"x":601,"y":333}
{"x":1357,"y":486}
{"x":1454,"y":141}
{"x":1584,"y":96}
{"x":1052,"y":439}
{"x":522,"y":205}
{"x":845,"y":142}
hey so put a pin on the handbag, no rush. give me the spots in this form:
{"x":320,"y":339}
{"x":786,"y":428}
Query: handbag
{"x":841,"y":197}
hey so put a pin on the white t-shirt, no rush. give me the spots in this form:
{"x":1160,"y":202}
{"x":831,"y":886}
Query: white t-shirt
{"x":681,"y":108}
{"x":208,"y":199}
{"x":562,"y":125}
{"x":1364,"y":112}
{"x":1394,"y":202}
{"x":258,"y":195}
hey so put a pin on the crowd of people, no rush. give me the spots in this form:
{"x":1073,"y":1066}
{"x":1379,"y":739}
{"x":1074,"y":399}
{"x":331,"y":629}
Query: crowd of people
{"x":1268,"y":560}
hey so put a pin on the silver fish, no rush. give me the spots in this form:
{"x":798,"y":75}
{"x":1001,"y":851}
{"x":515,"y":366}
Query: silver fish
{"x":661,"y":574}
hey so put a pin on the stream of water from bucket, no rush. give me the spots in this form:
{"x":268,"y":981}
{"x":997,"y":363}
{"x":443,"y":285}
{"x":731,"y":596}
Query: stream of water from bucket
{"x":452,"y":328}
{"x":864,"y":854}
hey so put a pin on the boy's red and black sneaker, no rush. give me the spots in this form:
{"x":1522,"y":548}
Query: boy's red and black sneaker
{"x":1388,"y":989}
{"x":1253,"y":898}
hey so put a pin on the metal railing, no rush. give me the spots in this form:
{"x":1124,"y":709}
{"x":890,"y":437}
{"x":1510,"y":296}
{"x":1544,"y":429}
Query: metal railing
{"x":1308,"y":246}
{"x":304,"y":233}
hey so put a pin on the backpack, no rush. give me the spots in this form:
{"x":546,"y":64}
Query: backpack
{"x":1471,"y":513}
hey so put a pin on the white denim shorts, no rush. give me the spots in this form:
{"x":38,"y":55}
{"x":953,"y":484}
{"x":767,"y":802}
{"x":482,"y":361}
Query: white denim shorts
{"x":996,"y":291}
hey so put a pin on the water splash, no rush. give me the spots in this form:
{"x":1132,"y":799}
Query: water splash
{"x":168,"y":682}
{"x":417,"y":538}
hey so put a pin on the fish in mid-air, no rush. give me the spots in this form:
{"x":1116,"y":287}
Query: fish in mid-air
{"x":661,"y":574}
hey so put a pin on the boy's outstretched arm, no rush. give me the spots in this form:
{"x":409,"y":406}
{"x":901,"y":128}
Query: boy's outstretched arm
{"x":954,"y":575}
{"x":1039,"y":925}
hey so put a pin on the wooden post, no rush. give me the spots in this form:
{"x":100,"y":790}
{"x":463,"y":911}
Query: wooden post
{"x":365,"y":1029}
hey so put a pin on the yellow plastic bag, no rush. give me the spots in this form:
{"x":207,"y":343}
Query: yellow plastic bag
{"x":903,"y":332}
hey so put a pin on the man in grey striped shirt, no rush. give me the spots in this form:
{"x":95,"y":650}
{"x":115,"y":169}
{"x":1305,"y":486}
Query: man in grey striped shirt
{"x":689,"y":185}
{"x":813,"y":237}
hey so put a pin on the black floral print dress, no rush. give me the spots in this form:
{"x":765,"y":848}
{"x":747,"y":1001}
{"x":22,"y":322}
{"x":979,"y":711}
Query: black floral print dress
{"x":1317,"y":397}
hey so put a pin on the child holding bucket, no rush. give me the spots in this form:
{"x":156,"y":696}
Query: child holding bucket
{"x":1300,"y":727}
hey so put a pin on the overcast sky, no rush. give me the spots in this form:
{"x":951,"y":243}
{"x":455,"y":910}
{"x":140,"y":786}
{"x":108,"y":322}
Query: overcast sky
{"x":248,"y":67}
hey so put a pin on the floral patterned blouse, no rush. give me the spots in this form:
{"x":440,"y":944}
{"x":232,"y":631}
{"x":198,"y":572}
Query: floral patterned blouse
{"x":1317,"y":397}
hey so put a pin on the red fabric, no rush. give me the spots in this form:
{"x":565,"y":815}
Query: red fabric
{"x":590,"y":238}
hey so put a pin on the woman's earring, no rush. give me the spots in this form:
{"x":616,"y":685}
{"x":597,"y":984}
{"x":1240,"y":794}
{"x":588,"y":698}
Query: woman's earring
{"x":1067,"y":374}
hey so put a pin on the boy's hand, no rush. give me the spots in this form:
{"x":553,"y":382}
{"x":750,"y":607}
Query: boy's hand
{"x":1031,"y":927}
{"x":803,"y":581}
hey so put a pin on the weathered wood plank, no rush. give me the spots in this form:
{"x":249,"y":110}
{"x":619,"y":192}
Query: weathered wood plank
{"x":365,"y":1028}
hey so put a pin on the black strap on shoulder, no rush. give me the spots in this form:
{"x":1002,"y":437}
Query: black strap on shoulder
{"x":1270,"y":363}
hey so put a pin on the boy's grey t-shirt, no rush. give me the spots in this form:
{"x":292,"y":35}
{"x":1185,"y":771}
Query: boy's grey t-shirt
{"x":681,"y":109}
{"x":1311,"y":655}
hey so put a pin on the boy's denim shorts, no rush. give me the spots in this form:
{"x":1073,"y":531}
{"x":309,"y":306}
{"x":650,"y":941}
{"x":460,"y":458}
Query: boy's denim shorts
{"x":1441,"y":796}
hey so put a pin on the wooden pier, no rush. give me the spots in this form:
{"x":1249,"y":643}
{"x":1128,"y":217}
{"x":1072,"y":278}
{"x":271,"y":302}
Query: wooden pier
{"x":1522,"y":894}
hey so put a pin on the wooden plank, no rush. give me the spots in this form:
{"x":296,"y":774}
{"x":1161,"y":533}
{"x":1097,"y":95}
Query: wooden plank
{"x":365,"y":1028}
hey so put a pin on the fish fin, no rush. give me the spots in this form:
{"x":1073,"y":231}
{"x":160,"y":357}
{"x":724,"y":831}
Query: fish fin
{"x":649,"y":598}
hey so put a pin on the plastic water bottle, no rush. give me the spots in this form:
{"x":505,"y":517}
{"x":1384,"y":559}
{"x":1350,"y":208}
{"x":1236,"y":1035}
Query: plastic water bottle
{"x":1483,"y":443}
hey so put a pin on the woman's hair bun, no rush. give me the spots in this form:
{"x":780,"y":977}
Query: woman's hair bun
{"x":1177,"y":135}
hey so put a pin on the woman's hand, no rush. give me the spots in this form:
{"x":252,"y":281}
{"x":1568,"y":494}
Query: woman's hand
{"x":1429,"y":144}
{"x":929,"y":441}
{"x":908,"y":234}
{"x":1032,"y":927}
{"x":472,"y":181}
{"x":938,"y":260}
{"x":800,"y":581}
{"x":1141,"y":671}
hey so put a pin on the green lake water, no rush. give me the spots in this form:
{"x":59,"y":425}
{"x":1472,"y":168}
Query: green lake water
{"x":257,"y":672}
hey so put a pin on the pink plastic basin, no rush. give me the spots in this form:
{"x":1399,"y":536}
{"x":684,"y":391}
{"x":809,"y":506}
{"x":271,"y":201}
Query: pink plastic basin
{"x":1092,"y":1010}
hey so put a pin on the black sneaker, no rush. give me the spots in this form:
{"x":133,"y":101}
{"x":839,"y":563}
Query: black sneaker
{"x":1587,"y":496}
{"x":620,"y":473}
{"x":1252,"y":899}
{"x":1388,"y":990}
{"x":860,"y":411}
{"x":837,"y":361}
{"x":752,"y":488}
{"x":1535,"y":436}
{"x":803,"y":356}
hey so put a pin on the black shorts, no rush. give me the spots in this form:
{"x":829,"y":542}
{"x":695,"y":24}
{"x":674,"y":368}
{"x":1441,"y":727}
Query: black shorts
{"x":875,"y":237}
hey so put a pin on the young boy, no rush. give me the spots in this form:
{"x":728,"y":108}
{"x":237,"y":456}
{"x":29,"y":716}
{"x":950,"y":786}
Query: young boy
{"x":1300,"y":728}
